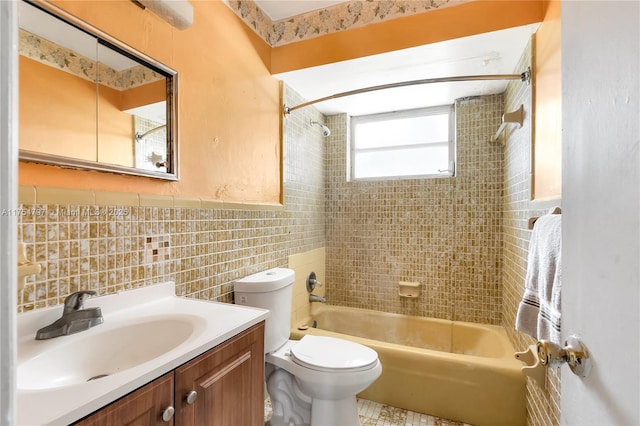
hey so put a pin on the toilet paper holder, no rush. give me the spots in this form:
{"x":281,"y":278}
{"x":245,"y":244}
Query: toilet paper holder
{"x":549,"y":354}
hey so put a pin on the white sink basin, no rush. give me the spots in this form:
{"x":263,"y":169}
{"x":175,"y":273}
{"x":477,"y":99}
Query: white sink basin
{"x":146,"y":333}
{"x":99,"y":353}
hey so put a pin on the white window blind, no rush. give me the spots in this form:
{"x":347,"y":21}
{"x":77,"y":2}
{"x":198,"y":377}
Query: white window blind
{"x":403,"y":144}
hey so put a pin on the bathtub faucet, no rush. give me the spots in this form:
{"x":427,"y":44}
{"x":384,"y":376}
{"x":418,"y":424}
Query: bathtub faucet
{"x":314,"y":298}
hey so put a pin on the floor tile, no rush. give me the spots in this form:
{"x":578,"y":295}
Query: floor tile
{"x":375,"y":414}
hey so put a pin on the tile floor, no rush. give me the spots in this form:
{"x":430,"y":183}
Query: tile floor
{"x":375,"y":414}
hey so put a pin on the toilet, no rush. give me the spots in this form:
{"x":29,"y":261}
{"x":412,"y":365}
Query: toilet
{"x":312,"y":381}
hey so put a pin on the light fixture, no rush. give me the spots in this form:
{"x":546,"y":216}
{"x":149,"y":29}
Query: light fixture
{"x":178,"y":13}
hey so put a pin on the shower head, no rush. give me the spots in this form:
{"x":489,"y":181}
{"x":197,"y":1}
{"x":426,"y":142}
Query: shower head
{"x":325,"y":130}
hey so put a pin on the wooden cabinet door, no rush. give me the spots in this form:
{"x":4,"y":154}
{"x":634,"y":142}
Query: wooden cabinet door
{"x":229,"y":381}
{"x":143,"y":407}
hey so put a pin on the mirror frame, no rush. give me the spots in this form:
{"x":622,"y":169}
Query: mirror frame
{"x":171,"y":100}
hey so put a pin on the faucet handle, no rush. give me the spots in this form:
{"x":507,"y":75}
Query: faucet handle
{"x":312,"y":282}
{"x":75,"y":301}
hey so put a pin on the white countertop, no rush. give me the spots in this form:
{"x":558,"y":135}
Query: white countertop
{"x":213,"y":324}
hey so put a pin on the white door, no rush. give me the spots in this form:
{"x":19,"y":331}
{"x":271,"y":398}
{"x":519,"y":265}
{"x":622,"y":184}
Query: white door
{"x":601,"y":214}
{"x":8,"y":201}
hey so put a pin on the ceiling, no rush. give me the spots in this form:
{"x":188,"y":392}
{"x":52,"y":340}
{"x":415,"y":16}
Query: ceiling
{"x":490,"y":53}
{"x":496,"y":52}
{"x":281,"y":9}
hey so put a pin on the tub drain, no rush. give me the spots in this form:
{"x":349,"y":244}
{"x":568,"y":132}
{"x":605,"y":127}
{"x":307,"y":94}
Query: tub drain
{"x":99,"y":376}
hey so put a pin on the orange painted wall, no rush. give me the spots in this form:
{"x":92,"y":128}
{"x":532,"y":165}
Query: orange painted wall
{"x":547,"y":142}
{"x":230,"y":109}
{"x":143,"y":95}
{"x":115,"y":129}
{"x":58,"y":117}
{"x":474,"y":17}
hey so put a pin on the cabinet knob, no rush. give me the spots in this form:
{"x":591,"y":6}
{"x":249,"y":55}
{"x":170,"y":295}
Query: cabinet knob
{"x":168,"y":413}
{"x":191,"y":397}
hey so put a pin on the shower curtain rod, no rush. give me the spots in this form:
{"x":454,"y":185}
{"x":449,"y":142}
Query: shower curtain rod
{"x":140,"y":136}
{"x":525,"y":76}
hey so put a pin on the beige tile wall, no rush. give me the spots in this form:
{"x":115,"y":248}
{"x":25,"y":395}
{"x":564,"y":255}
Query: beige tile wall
{"x":110,"y":241}
{"x":542,"y":404}
{"x":443,"y":233}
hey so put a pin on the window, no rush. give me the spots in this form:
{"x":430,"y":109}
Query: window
{"x":403,"y":144}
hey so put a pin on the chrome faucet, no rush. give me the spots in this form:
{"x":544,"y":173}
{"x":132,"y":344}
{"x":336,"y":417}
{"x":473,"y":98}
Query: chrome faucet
{"x":74,"y":318}
{"x":314,"y":298}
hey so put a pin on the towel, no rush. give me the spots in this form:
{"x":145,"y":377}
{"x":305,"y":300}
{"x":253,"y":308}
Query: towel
{"x":539,"y":311}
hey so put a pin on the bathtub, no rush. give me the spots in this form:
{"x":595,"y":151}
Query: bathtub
{"x":455,"y":370}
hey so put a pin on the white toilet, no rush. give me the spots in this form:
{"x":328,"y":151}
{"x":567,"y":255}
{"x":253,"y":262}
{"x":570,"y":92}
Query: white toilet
{"x":314,"y":380}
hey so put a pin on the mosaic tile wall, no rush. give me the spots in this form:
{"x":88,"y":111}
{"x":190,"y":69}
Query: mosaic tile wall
{"x":543,"y":406}
{"x":152,"y":148}
{"x":339,"y":17}
{"x":443,"y":233}
{"x":111,"y":247}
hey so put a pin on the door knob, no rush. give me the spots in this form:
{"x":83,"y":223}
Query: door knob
{"x":573,"y":353}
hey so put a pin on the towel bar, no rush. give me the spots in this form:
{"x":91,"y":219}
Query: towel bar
{"x":553,"y":210}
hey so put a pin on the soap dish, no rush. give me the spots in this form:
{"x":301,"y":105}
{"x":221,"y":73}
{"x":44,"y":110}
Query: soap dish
{"x":408,"y":289}
{"x":25,"y":266}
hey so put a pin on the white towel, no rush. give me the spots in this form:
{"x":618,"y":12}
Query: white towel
{"x":539,"y":311}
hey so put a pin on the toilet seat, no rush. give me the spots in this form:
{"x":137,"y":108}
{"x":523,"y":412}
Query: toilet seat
{"x":293,"y":383}
{"x":323,"y":353}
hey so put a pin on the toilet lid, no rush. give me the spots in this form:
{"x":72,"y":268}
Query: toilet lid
{"x":328,"y":353}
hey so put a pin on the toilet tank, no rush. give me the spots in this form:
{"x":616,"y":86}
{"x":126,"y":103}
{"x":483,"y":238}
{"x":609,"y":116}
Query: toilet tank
{"x":272,"y":290}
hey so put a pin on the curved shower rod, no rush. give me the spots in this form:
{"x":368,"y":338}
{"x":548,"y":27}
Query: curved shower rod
{"x":525,"y":76}
{"x":140,"y":136}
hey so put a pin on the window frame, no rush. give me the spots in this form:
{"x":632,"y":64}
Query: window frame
{"x":402,"y":114}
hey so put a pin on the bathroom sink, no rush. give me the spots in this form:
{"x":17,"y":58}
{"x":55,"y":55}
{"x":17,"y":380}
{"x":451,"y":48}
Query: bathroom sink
{"x":147,"y":332}
{"x":102,"y":351}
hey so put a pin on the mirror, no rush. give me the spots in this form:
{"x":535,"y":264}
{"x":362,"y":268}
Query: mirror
{"x":88,"y":101}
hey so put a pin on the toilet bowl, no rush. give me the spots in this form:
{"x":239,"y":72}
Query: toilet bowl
{"x":323,"y":372}
{"x":312,"y":381}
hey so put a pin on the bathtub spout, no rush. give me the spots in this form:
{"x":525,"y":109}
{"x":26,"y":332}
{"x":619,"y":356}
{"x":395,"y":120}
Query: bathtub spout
{"x":314,"y":298}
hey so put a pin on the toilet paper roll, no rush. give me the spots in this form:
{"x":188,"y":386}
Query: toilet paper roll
{"x":532,"y":368}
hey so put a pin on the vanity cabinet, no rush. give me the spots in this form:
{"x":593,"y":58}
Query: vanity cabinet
{"x":140,"y":407}
{"x":228,"y":381}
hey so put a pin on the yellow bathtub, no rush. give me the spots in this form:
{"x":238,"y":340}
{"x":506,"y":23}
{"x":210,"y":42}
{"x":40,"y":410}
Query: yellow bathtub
{"x":451,"y":369}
